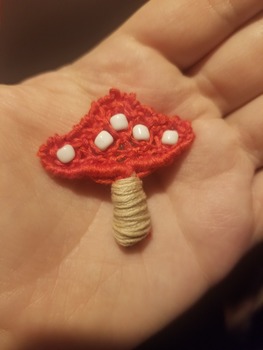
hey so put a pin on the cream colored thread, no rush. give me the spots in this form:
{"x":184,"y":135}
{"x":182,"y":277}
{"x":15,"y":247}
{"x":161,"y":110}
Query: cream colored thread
{"x":131,"y":218}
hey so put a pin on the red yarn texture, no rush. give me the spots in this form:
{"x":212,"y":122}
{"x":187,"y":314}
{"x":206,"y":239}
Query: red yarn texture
{"x":126,"y":155}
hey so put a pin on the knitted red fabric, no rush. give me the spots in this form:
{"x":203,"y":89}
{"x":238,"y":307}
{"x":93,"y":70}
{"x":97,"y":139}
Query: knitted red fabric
{"x":126,"y":155}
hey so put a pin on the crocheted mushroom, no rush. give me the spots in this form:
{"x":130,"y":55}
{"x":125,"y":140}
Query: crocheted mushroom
{"x":118,"y":142}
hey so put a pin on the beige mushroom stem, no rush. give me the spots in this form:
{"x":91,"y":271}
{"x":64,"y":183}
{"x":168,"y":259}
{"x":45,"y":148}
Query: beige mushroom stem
{"x":131,"y":217}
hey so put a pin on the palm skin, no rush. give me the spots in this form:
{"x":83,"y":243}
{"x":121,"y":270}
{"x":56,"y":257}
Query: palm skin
{"x":60,"y":267}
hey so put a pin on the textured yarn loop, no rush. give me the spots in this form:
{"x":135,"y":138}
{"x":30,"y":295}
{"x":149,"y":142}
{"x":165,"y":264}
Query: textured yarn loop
{"x":131,"y":218}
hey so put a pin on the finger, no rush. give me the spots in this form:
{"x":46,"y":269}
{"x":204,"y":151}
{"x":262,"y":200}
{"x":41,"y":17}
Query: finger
{"x":232,"y":75}
{"x":249,"y":122}
{"x":186,"y":30}
{"x":258,"y":206}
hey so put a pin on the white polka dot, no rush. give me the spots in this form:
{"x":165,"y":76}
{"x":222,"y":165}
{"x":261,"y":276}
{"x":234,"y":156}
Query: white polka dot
{"x":141,"y":132}
{"x":103,"y":140}
{"x":119,"y":122}
{"x":170,"y":137}
{"x":66,"y":154}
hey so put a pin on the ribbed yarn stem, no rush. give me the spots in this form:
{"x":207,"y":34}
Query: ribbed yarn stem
{"x":131,"y":218}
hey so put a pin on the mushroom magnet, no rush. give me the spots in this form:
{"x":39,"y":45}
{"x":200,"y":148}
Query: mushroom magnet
{"x":118,"y":142}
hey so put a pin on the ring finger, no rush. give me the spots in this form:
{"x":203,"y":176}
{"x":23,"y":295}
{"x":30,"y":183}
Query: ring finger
{"x":232,"y":75}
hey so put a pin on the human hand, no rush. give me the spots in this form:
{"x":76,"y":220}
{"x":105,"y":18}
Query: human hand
{"x":60,"y":267}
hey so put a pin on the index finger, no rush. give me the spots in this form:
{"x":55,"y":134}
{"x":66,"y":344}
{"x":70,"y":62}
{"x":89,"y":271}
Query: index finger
{"x":185,"y":31}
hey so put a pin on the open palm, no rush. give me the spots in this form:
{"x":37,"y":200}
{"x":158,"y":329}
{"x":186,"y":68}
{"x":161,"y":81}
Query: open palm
{"x":60,"y":267}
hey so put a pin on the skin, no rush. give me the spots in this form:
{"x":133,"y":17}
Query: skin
{"x":60,"y":269}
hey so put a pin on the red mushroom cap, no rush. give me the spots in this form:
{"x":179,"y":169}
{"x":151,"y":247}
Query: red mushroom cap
{"x":126,"y":155}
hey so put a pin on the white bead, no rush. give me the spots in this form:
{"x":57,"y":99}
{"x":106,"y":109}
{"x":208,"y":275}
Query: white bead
{"x":119,"y":122}
{"x":141,"y":132}
{"x":66,"y":154}
{"x":170,"y":137}
{"x":103,"y":140}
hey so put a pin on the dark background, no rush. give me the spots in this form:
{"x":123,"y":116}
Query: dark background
{"x":40,"y":35}
{"x":37,"y":36}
